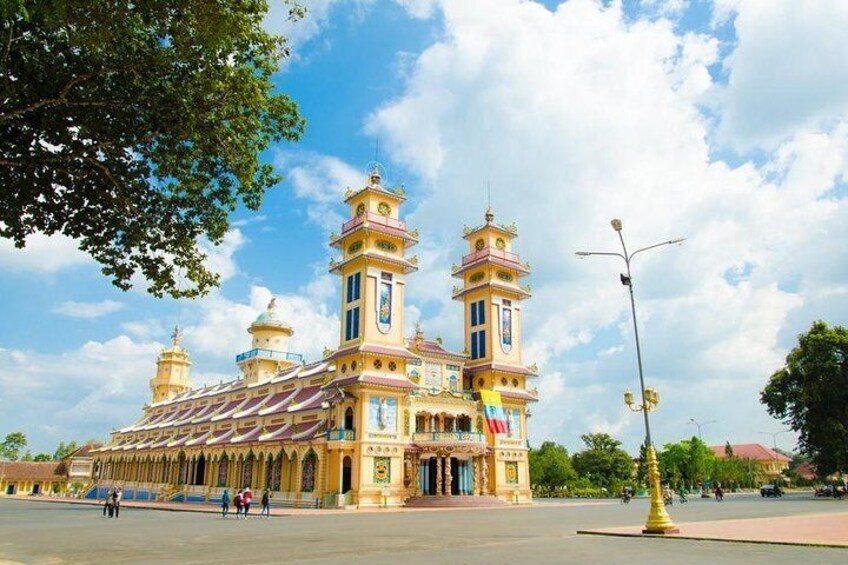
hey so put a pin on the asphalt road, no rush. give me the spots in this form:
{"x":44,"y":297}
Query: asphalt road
{"x":37,"y":532}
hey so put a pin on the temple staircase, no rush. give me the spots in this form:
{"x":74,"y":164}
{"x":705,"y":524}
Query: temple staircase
{"x":454,"y":502}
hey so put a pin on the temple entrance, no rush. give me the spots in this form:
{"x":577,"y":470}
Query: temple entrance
{"x":346,"y":475}
{"x":454,"y":486}
{"x":36,"y":488}
{"x":431,"y":479}
{"x":199,"y":471}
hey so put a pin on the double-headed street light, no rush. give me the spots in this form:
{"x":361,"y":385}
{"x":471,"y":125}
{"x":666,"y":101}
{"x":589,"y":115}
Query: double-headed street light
{"x":700,"y":425}
{"x":659,"y":522}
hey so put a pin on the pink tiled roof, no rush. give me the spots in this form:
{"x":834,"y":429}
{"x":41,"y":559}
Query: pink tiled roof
{"x":309,"y":432}
{"x":273,"y":433}
{"x":220,"y":435}
{"x":519,"y":395}
{"x":199,"y":437}
{"x":245,"y":435}
{"x":178,"y":440}
{"x":227,"y":410}
{"x":433,"y":347}
{"x":517,"y":370}
{"x":278,"y":402}
{"x":250,"y":407}
{"x":207,"y":412}
{"x":755,"y":451}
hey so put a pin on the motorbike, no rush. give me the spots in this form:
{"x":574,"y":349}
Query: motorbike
{"x":668,"y":499}
{"x":625,"y":497}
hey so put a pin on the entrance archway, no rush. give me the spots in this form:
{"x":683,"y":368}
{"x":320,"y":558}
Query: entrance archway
{"x":346,"y":474}
{"x":199,"y":470}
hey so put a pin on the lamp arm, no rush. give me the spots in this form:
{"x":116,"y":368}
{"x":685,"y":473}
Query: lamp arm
{"x":670,"y":242}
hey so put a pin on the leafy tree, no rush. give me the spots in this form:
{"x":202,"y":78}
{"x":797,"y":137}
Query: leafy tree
{"x":27,"y":456}
{"x":136,"y":128}
{"x":689,"y":462}
{"x":603,"y":461}
{"x":550,"y":465}
{"x":64,"y":450}
{"x":43,"y":457}
{"x":13,"y":444}
{"x":810,"y":395}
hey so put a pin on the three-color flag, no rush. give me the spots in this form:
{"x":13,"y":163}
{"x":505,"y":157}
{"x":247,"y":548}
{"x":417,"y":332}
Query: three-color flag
{"x":493,"y":411}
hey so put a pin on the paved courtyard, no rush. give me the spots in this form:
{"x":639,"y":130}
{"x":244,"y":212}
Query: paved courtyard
{"x":38,"y":532}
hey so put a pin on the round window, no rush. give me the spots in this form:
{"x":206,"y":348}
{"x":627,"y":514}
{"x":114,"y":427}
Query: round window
{"x":500,"y":243}
{"x":353,"y":365}
{"x":515,"y":383}
{"x":344,"y":368}
{"x":384,"y":209}
{"x":360,"y":209}
{"x":481,"y":382}
{"x":392,"y":366}
{"x":503,"y":381}
{"x":378,"y":364}
{"x":479,"y":245}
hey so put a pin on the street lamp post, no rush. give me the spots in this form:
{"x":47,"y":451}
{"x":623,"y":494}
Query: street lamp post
{"x":659,"y":522}
{"x":700,"y":425}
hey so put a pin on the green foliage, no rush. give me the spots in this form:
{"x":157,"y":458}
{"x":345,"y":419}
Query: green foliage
{"x":43,"y":457}
{"x":64,"y":450}
{"x":603,"y":462}
{"x":688,"y":462}
{"x":550,"y":466}
{"x":137,"y":128}
{"x":11,"y":447}
{"x":810,"y":394}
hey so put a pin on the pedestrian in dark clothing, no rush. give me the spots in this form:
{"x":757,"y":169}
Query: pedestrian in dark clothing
{"x":225,"y":503}
{"x":239,"y":502}
{"x":119,"y":494}
{"x":266,"y":504}
{"x":107,"y":505}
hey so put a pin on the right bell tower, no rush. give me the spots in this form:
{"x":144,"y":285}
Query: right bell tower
{"x":491,"y":294}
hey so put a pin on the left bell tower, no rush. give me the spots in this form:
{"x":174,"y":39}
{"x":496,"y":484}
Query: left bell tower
{"x":172,"y":369}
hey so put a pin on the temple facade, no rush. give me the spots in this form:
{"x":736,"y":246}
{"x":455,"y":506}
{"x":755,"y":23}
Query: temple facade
{"x":386,"y":419}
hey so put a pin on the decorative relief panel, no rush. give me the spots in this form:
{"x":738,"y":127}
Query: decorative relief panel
{"x":382,"y":414}
{"x":434,"y":375}
{"x":511,"y":472}
{"x":382,"y":470}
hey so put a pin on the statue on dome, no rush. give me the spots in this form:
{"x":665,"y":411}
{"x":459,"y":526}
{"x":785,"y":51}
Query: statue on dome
{"x":272,"y":305}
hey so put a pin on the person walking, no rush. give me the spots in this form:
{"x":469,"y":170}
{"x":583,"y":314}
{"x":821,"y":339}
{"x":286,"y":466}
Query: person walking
{"x":225,"y":503}
{"x":246,"y":498}
{"x":107,"y":503}
{"x":117,"y":500}
{"x":266,"y":504}
{"x":239,"y":502}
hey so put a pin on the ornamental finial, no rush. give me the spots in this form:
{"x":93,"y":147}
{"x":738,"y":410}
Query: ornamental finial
{"x":176,"y":336}
{"x":490,"y":215}
{"x":375,"y":177}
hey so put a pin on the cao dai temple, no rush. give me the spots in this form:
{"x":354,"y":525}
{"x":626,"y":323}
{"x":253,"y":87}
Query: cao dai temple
{"x":385,"y":419}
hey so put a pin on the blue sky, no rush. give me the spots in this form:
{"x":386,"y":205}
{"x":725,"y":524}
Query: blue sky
{"x":724,"y":122}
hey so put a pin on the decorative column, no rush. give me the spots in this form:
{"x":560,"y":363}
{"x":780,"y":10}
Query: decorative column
{"x":485,"y":472}
{"x":448,"y":476}
{"x":416,"y":468}
{"x":475,"y":485}
{"x":438,"y":476}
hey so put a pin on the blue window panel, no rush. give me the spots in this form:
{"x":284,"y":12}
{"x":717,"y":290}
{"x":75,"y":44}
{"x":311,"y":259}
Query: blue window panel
{"x":355,"y":328}
{"x":481,"y":335}
{"x":348,"y":321}
{"x":349,"y":294}
{"x":481,"y":311}
{"x":357,"y":280}
{"x":474,"y":345}
{"x":473,"y":314}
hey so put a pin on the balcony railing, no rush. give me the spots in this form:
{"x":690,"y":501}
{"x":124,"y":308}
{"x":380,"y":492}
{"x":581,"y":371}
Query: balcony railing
{"x":269,"y":354}
{"x":341,"y":435}
{"x":487,"y":252}
{"x":373,"y":218}
{"x":448,"y":437}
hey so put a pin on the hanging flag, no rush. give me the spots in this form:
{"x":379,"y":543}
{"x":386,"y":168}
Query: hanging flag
{"x":493,"y":411}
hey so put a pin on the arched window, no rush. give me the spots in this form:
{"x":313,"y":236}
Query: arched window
{"x":454,"y":383}
{"x":309,"y":465}
{"x":348,"y":419}
{"x":223,"y":470}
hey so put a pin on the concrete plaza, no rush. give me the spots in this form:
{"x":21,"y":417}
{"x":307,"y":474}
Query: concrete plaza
{"x":38,"y":532}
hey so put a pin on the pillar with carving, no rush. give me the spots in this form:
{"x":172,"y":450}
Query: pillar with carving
{"x":448,"y":476}
{"x":438,"y":476}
